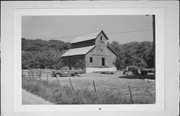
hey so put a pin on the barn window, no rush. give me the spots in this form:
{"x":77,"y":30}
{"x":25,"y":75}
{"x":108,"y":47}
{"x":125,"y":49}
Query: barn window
{"x":91,"y":59}
{"x":101,"y":38}
{"x":103,"y":61}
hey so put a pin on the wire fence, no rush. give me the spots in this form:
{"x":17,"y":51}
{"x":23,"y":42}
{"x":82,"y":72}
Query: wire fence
{"x":58,"y":93}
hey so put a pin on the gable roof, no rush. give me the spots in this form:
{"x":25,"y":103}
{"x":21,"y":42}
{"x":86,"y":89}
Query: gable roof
{"x":112,"y":50}
{"x":88,"y":36}
{"x":78,"y":51}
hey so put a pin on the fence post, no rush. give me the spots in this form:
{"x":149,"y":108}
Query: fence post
{"x":39,"y":71}
{"x":71,"y":84}
{"x":131,"y":99}
{"x":58,"y":83}
{"x":47,"y":77}
{"x":95,"y":90}
{"x":31,"y":75}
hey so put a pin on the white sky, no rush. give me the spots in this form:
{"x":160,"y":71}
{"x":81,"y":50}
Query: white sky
{"x":134,"y":27}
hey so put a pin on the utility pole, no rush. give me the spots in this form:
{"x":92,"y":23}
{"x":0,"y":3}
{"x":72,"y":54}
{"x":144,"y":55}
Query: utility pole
{"x":154,"y":38}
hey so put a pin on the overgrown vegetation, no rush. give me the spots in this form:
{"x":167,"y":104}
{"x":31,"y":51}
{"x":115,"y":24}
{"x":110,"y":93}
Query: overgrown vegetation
{"x":139,"y":54}
{"x":65,"y":94}
{"x":43,"y":54}
{"x":43,"y":45}
{"x":46,"y":54}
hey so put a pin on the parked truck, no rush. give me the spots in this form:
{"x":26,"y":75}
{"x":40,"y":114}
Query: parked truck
{"x":138,"y":70}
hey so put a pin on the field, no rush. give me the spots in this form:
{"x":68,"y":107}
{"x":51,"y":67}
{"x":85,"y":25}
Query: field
{"x":93,"y":88}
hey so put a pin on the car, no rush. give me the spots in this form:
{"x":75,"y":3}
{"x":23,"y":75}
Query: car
{"x":65,"y":73}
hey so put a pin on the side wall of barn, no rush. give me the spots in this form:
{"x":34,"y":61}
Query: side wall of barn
{"x":94,"y":59}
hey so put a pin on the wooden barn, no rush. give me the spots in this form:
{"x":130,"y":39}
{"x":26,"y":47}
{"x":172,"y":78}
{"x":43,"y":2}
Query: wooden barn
{"x":90,"y":53}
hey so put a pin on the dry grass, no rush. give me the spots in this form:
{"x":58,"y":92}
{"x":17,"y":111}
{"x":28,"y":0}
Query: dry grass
{"x":110,"y":89}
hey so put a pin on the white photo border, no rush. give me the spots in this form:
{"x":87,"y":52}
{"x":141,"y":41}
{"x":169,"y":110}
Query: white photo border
{"x":167,"y":26}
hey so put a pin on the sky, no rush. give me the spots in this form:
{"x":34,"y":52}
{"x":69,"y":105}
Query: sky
{"x":120,"y":28}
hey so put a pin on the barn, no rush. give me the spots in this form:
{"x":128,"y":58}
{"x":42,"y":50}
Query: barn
{"x":90,"y":53}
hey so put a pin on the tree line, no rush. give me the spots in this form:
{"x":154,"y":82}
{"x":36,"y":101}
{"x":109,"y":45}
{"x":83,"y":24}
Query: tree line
{"x":139,"y":54}
{"x":47,"y":54}
{"x":43,"y":54}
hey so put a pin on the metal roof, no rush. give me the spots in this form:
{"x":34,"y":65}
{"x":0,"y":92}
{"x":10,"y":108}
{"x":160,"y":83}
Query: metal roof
{"x":86,"y":37}
{"x":78,"y":51}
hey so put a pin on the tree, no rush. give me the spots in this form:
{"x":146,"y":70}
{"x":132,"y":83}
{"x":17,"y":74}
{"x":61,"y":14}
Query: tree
{"x":41,"y":45}
{"x":42,"y":54}
{"x":42,"y":59}
{"x":133,"y":54}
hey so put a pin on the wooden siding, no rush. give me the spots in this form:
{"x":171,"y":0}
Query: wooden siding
{"x":83,"y":44}
{"x":99,"y":52}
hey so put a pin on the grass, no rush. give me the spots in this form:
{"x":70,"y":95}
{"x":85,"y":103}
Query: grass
{"x":109,"y":89}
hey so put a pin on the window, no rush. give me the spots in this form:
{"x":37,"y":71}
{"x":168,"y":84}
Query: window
{"x":101,"y":38}
{"x":91,"y":59}
{"x":103,"y":61}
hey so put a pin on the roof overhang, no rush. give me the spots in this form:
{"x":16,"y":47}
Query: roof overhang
{"x":78,"y":51}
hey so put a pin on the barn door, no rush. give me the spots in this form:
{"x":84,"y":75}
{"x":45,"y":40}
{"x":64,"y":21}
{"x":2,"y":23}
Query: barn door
{"x":103,"y":61}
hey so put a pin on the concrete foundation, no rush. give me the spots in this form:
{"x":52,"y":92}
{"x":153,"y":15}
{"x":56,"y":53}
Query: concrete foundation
{"x":90,"y":70}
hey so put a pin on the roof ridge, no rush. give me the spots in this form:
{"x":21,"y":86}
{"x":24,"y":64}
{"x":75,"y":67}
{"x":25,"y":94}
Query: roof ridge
{"x":82,"y":47}
{"x":87,"y":36}
{"x":92,"y":32}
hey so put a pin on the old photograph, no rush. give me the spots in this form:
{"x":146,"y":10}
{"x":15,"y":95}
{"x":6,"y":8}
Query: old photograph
{"x":93,"y":59}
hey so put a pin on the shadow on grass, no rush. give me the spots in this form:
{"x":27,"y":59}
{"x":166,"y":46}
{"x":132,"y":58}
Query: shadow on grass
{"x":138,"y":77}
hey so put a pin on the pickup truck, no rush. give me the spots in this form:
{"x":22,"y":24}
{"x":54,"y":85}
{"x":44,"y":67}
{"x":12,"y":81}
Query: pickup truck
{"x":138,"y":70}
{"x":65,"y":73}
